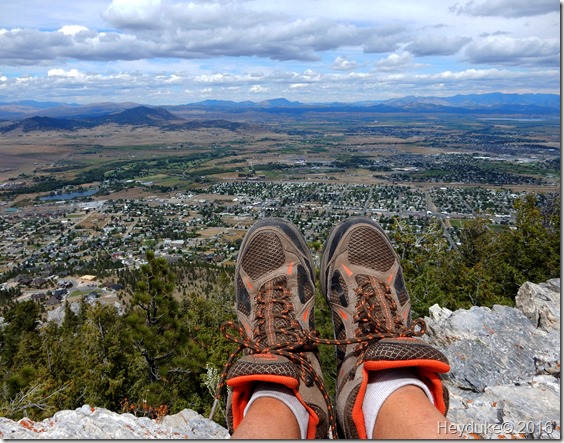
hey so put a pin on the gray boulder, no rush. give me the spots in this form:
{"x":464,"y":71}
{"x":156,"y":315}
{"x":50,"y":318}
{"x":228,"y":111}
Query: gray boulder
{"x":57,"y":315}
{"x":541,"y":304}
{"x":505,"y":364}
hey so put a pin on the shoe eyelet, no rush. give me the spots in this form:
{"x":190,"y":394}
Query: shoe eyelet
{"x":308,"y":381}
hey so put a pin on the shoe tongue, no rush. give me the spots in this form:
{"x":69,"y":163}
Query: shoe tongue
{"x":363,"y":282}
{"x":378,"y":309}
{"x":277,"y":316}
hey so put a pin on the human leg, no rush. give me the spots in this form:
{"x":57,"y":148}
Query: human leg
{"x":408,"y":414}
{"x":363,"y":283}
{"x":274,"y":302}
{"x":268,"y":418}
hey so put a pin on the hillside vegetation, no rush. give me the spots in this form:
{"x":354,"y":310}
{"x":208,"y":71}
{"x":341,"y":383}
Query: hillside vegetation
{"x":164,"y":352}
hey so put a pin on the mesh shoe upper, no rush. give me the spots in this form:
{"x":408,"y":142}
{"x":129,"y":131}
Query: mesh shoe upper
{"x":362,"y":280}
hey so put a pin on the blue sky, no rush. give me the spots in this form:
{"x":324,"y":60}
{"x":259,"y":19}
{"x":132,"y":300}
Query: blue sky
{"x":175,"y":51}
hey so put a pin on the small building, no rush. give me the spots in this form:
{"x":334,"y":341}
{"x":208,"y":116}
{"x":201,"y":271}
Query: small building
{"x":38,"y":282}
{"x":23,"y":280}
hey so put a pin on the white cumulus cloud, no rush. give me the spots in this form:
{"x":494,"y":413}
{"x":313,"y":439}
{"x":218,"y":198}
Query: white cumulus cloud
{"x":395,"y":62}
{"x":507,"y":8}
{"x":72,"y":29}
{"x":258,"y":88}
{"x":133,"y":13}
{"x":506,"y":50}
{"x":71,"y":73}
{"x":344,"y":64}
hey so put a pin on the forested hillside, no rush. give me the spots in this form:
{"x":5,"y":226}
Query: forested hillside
{"x":164,"y":352}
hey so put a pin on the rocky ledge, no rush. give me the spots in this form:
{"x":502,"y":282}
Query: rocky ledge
{"x":504,"y":381}
{"x":505,"y":364}
{"x":88,"y":423}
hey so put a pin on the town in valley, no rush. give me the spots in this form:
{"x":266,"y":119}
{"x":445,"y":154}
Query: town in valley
{"x":80,"y":199}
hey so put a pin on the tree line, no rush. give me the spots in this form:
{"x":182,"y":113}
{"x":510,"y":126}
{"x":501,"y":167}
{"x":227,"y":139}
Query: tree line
{"x":489,"y":265}
{"x":157,"y":353}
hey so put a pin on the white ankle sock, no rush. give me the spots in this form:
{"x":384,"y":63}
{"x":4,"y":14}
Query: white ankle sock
{"x":381,"y":384}
{"x":286,"y":396}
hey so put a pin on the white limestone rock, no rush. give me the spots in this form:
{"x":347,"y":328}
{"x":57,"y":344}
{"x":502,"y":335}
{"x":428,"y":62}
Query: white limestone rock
{"x":58,"y":314}
{"x":99,"y":423}
{"x":505,"y":364}
{"x":541,"y":303}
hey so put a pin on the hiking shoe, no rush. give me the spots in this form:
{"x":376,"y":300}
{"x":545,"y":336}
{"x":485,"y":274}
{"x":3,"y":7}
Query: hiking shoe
{"x":274,"y":292}
{"x":362,"y":280}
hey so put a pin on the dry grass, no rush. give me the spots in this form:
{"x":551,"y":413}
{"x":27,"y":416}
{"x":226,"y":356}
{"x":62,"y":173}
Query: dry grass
{"x":30,"y":153}
{"x":136,"y":193}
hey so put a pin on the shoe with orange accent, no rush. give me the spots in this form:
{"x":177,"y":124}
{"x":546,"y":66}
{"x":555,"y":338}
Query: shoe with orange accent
{"x":274,"y":302}
{"x":362,"y":280}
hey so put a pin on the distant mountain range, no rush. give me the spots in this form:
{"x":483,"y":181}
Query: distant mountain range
{"x":137,"y":116}
{"x":30,"y":115}
{"x":495,"y":103}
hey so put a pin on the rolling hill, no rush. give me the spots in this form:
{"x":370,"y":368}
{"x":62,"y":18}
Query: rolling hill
{"x":138,"y":116}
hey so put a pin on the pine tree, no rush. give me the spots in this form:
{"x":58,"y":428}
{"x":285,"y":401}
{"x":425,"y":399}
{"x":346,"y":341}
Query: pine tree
{"x":21,"y":320}
{"x":535,"y":243}
{"x":154,"y":317}
{"x":110,"y":364}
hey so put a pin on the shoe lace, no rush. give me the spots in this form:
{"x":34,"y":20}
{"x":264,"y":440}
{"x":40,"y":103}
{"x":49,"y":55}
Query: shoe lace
{"x":377,"y":317}
{"x":276,"y":331}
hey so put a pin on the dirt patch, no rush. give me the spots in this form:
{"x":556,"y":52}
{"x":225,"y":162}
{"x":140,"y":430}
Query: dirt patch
{"x":93,"y":221}
{"x":210,"y":232}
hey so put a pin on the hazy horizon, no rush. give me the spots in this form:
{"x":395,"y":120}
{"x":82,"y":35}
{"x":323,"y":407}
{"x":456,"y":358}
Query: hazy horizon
{"x":272,"y":99}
